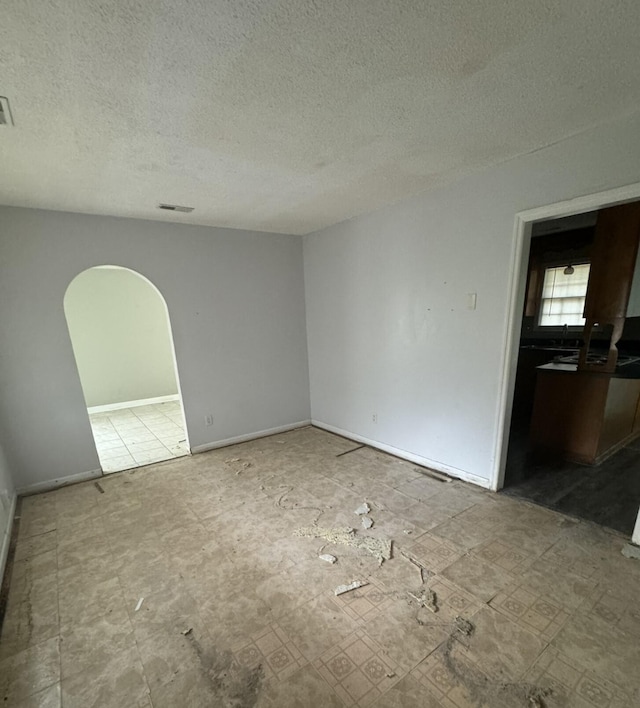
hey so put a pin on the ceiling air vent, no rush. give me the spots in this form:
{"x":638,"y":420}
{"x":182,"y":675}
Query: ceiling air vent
{"x":5,"y":112}
{"x":175,"y":207}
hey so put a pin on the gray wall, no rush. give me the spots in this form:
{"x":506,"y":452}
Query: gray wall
{"x":236,"y":303}
{"x":7,"y":499}
{"x":389,"y":331}
{"x":120,"y":335}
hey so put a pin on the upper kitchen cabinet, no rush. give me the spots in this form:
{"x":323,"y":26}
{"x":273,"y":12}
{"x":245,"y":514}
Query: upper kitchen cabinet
{"x":614,"y":253}
{"x":613,"y":260}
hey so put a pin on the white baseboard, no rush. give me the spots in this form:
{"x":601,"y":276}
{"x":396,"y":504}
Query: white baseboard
{"x":249,"y":436}
{"x":635,"y":536}
{"x":133,"y":404}
{"x":405,"y":455}
{"x":50,"y":484}
{"x":4,"y":551}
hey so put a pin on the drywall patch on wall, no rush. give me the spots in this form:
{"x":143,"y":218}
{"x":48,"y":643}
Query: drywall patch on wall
{"x":120,"y":335}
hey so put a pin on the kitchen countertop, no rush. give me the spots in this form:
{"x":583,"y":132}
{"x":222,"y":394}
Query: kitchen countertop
{"x":550,"y":348}
{"x":628,"y":371}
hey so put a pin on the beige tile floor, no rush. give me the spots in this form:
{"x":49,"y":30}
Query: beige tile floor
{"x":133,"y":437}
{"x":238,"y":611}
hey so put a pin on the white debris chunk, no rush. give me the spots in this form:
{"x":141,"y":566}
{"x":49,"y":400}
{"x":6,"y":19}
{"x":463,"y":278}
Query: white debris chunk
{"x":428,"y":599}
{"x":379,"y":548}
{"x":351,"y":586}
{"x":328,"y":557}
{"x":363,"y":509}
{"x":631,"y":551}
{"x":367,"y":522}
{"x":139,"y":605}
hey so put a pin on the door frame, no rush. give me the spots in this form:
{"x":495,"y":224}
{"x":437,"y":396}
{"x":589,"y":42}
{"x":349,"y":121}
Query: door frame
{"x":171,"y":341}
{"x":635,"y":536}
{"x":520,"y":246}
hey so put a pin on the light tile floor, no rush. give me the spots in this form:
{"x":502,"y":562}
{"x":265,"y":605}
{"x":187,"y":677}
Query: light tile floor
{"x":132,"y":437}
{"x":236,"y":610}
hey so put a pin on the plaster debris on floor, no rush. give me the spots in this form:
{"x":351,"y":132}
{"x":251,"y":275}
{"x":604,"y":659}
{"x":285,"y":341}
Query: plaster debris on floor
{"x":327,"y":557}
{"x":186,"y":584}
{"x":631,"y":551}
{"x":379,"y":548}
{"x":427,"y":599}
{"x":423,"y":571}
{"x":353,"y":585}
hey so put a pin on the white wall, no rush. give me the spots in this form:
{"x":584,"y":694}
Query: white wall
{"x":236,"y":303}
{"x":388,"y":328}
{"x":120,"y":336}
{"x":7,"y":507}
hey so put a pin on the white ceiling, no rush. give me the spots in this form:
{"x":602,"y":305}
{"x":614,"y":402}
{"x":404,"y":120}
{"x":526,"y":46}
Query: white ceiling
{"x":291,"y":115}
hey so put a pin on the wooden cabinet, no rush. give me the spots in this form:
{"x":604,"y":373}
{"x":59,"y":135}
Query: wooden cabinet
{"x":586,"y":412}
{"x":583,"y":416}
{"x":529,"y":359}
{"x":613,"y":260}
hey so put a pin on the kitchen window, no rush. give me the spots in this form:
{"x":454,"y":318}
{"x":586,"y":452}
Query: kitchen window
{"x":564,"y":290}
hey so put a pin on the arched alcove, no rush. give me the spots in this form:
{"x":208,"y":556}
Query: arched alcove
{"x":121,"y":336}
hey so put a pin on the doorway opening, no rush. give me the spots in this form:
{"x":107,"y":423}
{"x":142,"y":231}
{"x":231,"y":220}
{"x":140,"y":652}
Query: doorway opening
{"x":573,"y":437}
{"x":121,"y":337}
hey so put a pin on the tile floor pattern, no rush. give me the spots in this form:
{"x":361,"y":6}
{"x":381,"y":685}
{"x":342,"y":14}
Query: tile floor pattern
{"x":132,"y":437}
{"x":238,"y":611}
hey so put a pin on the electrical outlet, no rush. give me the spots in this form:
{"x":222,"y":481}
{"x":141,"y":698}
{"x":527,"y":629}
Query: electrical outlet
{"x":208,"y":419}
{"x":374,"y":417}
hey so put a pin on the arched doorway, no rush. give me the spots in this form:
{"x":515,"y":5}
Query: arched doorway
{"x":121,"y":336}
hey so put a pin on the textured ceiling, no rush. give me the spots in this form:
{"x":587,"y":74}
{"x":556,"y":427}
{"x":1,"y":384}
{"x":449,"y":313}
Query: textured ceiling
{"x":290,"y":115}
